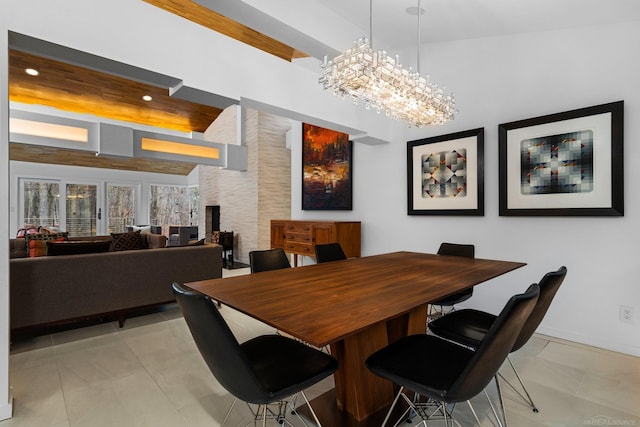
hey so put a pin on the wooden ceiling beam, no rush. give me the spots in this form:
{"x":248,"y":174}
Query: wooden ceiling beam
{"x":199,"y":14}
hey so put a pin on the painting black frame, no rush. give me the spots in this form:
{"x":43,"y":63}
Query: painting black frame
{"x":610,"y":115}
{"x":477,"y":207}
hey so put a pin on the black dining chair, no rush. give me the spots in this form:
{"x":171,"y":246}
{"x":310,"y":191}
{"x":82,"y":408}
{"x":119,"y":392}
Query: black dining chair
{"x":468,"y":326}
{"x":453,"y":249}
{"x":446,"y":372}
{"x":329,"y":252}
{"x":263,"y":371}
{"x":268,"y":259}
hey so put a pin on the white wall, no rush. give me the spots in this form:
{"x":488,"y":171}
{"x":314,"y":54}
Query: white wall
{"x":499,"y":80}
{"x":5,"y":399}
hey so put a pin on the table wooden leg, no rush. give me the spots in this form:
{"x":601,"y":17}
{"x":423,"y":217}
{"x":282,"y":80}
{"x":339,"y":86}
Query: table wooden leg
{"x":358,"y":391}
{"x":360,"y":398}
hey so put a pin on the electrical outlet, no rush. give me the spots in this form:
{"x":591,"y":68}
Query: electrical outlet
{"x":626,"y":314}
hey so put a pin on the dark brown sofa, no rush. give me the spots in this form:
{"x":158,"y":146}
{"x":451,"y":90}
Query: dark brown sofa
{"x":56,"y":289}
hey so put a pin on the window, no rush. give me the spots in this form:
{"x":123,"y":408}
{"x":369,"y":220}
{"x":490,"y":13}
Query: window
{"x":121,"y":207}
{"x":84,"y":207}
{"x":40,"y":203}
{"x":81,"y":209}
{"x":40,"y":200}
{"x":173,"y":205}
{"x":194,"y":195}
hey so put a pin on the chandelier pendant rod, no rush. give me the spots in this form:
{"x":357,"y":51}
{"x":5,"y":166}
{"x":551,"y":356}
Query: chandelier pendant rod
{"x":418,"y":44}
{"x":371,"y":23}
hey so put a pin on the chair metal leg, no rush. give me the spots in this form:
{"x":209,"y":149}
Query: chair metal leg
{"x":526,"y":398}
{"x":315,"y":417}
{"x":264,"y":416}
{"x":276,"y":411}
{"x":493,"y":408}
{"x":501,"y":399}
{"x":393,"y":405}
{"x":444,"y":413}
{"x":413,"y":408}
{"x":473,"y":411}
{"x":226,"y":417}
{"x":431,"y":315}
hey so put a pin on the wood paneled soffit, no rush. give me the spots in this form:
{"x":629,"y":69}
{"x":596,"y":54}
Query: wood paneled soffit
{"x":60,"y":156}
{"x":72,"y":88}
{"x":80,"y":82}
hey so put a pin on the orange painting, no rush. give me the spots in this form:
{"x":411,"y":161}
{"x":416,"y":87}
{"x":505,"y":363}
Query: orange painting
{"x":326,"y":163}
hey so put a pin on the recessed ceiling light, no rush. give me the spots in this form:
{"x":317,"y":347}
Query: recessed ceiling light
{"x":147,"y":98}
{"x":32,"y":71}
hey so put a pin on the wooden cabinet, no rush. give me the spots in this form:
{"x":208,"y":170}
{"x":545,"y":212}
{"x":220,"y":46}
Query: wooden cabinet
{"x":300,"y":237}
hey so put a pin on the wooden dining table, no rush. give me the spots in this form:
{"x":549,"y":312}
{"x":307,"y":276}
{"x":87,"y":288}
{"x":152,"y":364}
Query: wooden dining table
{"x":356,"y":306}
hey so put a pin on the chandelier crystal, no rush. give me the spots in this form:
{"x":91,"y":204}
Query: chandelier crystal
{"x":380,"y":82}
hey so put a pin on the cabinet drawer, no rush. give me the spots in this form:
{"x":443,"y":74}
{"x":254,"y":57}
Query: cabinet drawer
{"x":298,"y":238}
{"x":299,"y":248}
{"x":303,"y":228}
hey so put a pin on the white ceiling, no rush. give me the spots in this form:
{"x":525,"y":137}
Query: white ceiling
{"x":447,"y":20}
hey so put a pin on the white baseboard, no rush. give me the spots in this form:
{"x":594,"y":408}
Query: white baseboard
{"x":6,"y":411}
{"x":600,"y":342}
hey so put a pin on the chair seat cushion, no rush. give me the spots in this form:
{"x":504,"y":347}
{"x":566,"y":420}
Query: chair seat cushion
{"x":422,"y":363}
{"x":467,"y":327}
{"x":284,"y":366}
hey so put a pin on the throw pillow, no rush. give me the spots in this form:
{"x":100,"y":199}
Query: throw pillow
{"x":126,"y":241}
{"x":77,"y":247}
{"x":45,"y":236}
{"x":38,"y":248}
{"x":26,"y":230}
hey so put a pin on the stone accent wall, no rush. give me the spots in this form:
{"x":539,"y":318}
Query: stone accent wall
{"x":249,"y":200}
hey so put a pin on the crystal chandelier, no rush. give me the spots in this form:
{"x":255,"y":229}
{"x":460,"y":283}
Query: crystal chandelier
{"x":379,"y":81}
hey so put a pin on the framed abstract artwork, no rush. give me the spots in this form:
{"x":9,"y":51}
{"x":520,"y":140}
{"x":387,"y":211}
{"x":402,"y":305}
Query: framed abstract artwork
{"x":445,"y":174}
{"x":564,"y":164}
{"x":327,"y":178}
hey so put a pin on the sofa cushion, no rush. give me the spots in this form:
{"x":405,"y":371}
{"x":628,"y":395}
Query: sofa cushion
{"x":126,"y":241}
{"x":77,"y":247}
{"x":154,"y":241}
{"x":17,"y":248}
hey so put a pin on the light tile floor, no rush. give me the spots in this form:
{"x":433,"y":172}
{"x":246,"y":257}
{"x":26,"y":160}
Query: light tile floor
{"x":150,"y":373}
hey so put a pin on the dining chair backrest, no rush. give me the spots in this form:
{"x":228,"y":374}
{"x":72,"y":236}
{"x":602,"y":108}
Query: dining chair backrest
{"x":457,"y":249}
{"x":329,"y":252}
{"x":548,"y":287}
{"x":495,"y":347}
{"x":217,"y":345}
{"x":268,"y":259}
